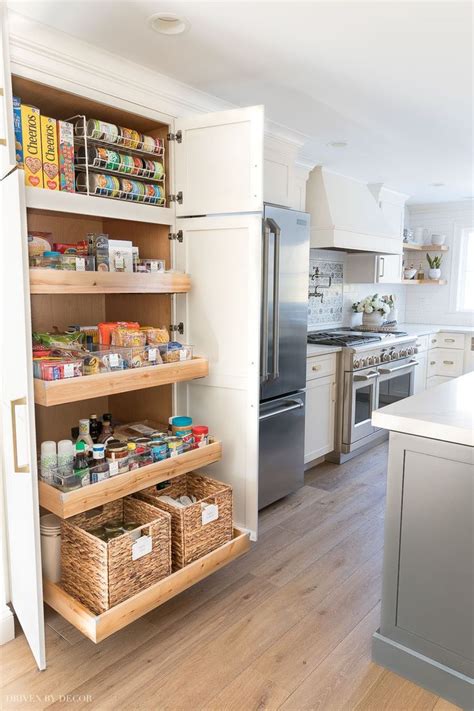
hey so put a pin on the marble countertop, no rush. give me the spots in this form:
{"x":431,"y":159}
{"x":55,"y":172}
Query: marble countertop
{"x":313,"y":350}
{"x":423,"y":329}
{"x":445,"y":412}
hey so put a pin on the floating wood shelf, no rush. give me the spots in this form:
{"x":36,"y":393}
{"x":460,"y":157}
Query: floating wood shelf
{"x":98,"y":627}
{"x":66,"y":504}
{"x":58,"y":281}
{"x":438,"y":282}
{"x":76,"y":203}
{"x":413,"y":247}
{"x":58,"y":392}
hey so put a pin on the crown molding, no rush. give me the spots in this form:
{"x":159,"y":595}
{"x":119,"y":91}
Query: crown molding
{"x":44,"y":54}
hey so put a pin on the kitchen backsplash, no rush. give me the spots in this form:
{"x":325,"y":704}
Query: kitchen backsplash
{"x":335,"y":308}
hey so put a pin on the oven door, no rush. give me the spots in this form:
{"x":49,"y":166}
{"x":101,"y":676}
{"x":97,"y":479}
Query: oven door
{"x":396,"y":381}
{"x":360,"y":398}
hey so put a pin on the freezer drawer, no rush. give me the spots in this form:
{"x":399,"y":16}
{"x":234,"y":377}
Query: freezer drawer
{"x":281,"y":458}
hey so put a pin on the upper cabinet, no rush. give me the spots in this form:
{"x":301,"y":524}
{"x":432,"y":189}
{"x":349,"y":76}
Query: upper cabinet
{"x":392,"y":204}
{"x":373,"y":269}
{"x":219,"y":162}
{"x":346,"y":215}
{"x":284,"y":177}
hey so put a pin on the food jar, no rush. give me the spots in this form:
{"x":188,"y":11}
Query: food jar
{"x":200,"y":435}
{"x":175,"y":446}
{"x":181,"y":424}
{"x":159,"y":450}
{"x":117,"y":458}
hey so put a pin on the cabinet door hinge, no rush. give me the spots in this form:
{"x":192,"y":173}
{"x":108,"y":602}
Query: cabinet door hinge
{"x":178,"y":236}
{"x":178,"y":137}
{"x":177,"y":327}
{"x":176,"y":198}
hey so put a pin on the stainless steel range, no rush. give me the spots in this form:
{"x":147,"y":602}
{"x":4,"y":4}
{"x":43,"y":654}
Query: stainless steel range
{"x":376,"y":369}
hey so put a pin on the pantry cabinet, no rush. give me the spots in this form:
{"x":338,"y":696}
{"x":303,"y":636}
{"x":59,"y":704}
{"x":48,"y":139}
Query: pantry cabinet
{"x":320,"y":407}
{"x":215,"y":171}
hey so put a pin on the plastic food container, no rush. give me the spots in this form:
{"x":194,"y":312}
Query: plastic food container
{"x":177,"y":352}
{"x":57,"y":368}
{"x":155,"y":354}
{"x":72,"y":262}
{"x":100,"y":359}
{"x":50,"y":528}
{"x":150,"y":265}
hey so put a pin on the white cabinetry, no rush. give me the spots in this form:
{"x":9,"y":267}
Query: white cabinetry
{"x":284,"y":179}
{"x":445,"y":357}
{"x":420,"y":372}
{"x":392,"y":204}
{"x":373,"y":269}
{"x":320,"y":407}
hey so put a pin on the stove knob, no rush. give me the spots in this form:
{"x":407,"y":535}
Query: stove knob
{"x":356,"y":364}
{"x":403,"y":354}
{"x":386,"y":357}
{"x":415,"y":351}
{"x":363,"y":362}
{"x":370,"y":360}
{"x":376,"y":360}
{"x":409,"y":351}
{"x":394,"y":355}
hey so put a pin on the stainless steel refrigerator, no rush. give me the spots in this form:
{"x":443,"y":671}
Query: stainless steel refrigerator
{"x":285,"y":248}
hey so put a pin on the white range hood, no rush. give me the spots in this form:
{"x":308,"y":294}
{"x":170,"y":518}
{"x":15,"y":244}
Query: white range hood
{"x":346,"y":215}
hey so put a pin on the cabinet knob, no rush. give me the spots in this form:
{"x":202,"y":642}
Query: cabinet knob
{"x":316,"y":367}
{"x":448,"y":362}
{"x":449,"y":340}
{"x":432,"y":362}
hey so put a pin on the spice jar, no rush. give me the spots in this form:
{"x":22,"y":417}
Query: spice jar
{"x":117,"y":458}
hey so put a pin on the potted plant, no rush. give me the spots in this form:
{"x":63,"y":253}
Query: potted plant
{"x":373,"y":309}
{"x":435,"y":264}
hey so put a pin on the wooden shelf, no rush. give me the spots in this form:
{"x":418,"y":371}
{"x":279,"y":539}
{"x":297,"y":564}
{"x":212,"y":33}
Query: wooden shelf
{"x":58,"y":392}
{"x":420,"y":282}
{"x":79,"y":204}
{"x":58,"y":281}
{"x":66,"y":504}
{"x":412,"y":247}
{"x":98,"y":627}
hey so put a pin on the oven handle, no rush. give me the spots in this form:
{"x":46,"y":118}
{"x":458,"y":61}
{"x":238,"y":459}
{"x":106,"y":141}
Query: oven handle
{"x":369,"y":376}
{"x":384,"y":371}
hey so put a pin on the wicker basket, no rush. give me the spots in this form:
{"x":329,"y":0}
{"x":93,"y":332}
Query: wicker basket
{"x":101,"y":574}
{"x":190,"y":537}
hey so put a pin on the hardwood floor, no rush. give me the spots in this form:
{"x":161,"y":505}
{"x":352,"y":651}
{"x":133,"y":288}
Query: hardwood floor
{"x":288,"y":626}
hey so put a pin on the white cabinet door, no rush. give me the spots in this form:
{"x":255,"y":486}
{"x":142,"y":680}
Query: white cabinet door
{"x":221,"y":316}
{"x":420,"y":373}
{"x":389,"y":269}
{"x":17,"y":419}
{"x":7,"y":140}
{"x":219,"y":162}
{"x":320,"y":414}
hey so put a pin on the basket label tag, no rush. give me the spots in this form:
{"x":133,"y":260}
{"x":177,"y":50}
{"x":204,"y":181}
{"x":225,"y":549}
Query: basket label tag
{"x":114,"y":360}
{"x":152,"y":355}
{"x":141,"y":547}
{"x":113,"y":467}
{"x":209,"y":513}
{"x":80,"y":264}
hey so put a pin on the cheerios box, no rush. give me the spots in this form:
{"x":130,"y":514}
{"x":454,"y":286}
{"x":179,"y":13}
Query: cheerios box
{"x":66,"y":155}
{"x":32,"y":157}
{"x":49,"y":145}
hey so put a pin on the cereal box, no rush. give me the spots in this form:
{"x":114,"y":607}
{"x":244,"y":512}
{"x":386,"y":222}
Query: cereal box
{"x":49,"y":144}
{"x":31,"y":132}
{"x":17,"y":129}
{"x":66,"y":155}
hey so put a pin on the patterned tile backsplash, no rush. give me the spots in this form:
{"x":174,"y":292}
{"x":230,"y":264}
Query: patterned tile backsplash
{"x":328,"y":309}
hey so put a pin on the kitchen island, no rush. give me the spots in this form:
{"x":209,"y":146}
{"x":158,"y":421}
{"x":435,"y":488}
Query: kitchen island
{"x":427,"y":621}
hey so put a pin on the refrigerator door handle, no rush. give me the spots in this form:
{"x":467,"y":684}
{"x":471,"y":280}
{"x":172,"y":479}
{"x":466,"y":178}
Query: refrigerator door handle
{"x":275,"y":229}
{"x":264,"y":345}
{"x":296,"y":405}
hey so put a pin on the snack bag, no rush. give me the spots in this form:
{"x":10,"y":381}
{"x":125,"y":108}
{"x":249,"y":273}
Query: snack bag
{"x":49,"y":145}
{"x":18,"y":133}
{"x":66,"y":155}
{"x":32,"y":157}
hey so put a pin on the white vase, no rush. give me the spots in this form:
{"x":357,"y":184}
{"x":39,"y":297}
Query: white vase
{"x":375,"y":319}
{"x":438,"y":239}
{"x":356,"y":319}
{"x":434,"y":273}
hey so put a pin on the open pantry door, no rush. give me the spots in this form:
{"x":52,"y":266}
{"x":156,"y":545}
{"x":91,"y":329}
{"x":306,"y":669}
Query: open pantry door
{"x":17,"y":418}
{"x":221,"y":317}
{"x":219,"y":162}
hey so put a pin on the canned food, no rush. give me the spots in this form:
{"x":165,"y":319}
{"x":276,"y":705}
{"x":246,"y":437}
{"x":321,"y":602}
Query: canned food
{"x":117,"y":458}
{"x":138,"y":165}
{"x":102,"y":131}
{"x":159,"y":145}
{"x":187,"y":439}
{"x":175,"y":446}
{"x":159,"y":450}
{"x":126,"y":163}
{"x":149,"y":144}
{"x":125,"y":138}
{"x":107,"y":158}
{"x":126,"y":187}
{"x":159,"y":435}
{"x":135,"y":139}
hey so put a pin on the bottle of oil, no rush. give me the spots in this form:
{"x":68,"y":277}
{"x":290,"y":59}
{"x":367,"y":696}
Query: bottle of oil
{"x":80,"y":465}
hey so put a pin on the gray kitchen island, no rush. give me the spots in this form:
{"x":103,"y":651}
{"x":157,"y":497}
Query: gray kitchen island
{"x":426,"y":631}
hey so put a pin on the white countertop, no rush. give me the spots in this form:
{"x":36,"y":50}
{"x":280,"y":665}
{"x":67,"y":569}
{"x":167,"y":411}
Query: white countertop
{"x":423,"y":329}
{"x":313,"y":350}
{"x":445,"y":412}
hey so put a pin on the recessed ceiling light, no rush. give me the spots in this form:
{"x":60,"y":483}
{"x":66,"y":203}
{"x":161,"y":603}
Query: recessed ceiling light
{"x":167,"y":23}
{"x":337,"y":144}
{"x":437,"y":185}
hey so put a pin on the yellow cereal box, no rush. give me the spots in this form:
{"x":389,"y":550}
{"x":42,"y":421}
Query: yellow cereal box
{"x":49,"y":143}
{"x":32,"y":158}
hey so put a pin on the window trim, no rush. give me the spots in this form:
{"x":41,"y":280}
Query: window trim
{"x":456,"y":255}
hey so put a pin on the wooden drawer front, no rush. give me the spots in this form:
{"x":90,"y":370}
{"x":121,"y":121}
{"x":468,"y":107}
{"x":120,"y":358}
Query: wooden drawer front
{"x":320,"y":366}
{"x":451,"y":340}
{"x":422,"y":343}
{"x":445,"y":361}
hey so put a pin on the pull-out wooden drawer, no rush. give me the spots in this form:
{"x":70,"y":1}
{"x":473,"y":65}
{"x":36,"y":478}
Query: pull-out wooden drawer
{"x":445,"y":361}
{"x":320,"y":366}
{"x":422,"y":343}
{"x":451,"y":340}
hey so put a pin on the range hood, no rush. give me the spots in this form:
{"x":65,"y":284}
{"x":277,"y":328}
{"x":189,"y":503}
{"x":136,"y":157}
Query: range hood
{"x":346,"y":215}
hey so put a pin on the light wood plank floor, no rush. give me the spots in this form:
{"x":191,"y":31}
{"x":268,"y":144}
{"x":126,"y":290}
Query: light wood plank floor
{"x":288,"y":626}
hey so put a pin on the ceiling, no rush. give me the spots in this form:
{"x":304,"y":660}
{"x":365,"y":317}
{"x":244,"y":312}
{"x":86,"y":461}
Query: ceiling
{"x":392,"y":79}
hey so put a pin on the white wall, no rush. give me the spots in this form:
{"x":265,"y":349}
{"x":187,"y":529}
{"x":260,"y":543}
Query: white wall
{"x":431,"y":304}
{"x":356,"y":292}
